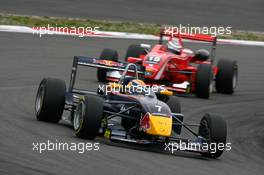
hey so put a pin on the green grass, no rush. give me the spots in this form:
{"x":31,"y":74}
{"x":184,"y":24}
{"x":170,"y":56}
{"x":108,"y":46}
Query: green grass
{"x":42,"y":21}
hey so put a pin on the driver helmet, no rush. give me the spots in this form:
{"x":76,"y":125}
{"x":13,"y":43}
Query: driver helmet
{"x":174,"y":47}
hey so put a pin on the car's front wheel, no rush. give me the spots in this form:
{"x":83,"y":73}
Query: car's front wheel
{"x":204,"y":81}
{"x":50,"y":100}
{"x":135,"y":50}
{"x":88,"y":116}
{"x":213,"y":128}
{"x":226,"y":77}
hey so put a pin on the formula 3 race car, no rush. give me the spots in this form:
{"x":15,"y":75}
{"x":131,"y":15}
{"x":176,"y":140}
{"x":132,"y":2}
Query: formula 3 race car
{"x":180,"y":69}
{"x":145,"y":118}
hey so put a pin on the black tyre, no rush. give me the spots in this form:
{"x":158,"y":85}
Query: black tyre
{"x":135,"y":50}
{"x":226,"y":77}
{"x":50,"y":100}
{"x":88,"y":116}
{"x":107,"y":54}
{"x":213,"y":128}
{"x":204,"y":81}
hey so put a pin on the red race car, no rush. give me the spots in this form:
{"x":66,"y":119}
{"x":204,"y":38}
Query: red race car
{"x":180,"y":69}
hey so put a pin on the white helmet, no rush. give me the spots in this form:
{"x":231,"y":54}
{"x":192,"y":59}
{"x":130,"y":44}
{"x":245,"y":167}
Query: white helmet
{"x":174,"y":47}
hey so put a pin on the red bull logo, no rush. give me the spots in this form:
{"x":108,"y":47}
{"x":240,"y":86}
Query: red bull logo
{"x":144,"y":122}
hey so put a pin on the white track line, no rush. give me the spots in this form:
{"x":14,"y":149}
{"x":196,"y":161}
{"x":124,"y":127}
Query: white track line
{"x":121,"y":35}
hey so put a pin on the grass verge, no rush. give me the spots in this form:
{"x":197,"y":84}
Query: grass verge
{"x":143,"y":28}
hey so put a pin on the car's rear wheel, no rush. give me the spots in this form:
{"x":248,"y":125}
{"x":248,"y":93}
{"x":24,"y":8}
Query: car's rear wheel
{"x":204,"y":81}
{"x":213,"y":128}
{"x":226,"y":77}
{"x":135,"y":50}
{"x":50,"y":100}
{"x":88,"y":116}
{"x":107,"y":54}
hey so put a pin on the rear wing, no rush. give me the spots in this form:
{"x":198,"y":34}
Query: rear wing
{"x":98,"y":63}
{"x":171,"y":33}
{"x":198,"y":37}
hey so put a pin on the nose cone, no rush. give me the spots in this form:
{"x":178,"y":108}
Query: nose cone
{"x":159,"y":125}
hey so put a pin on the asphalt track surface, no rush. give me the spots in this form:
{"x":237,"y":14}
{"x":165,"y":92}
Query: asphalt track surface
{"x":26,"y":59}
{"x":242,"y":14}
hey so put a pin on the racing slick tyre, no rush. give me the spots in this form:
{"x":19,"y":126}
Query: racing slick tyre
{"x":135,"y":50}
{"x":88,"y":116}
{"x":175,"y":107}
{"x":107,"y":54}
{"x":204,"y":81}
{"x":213,"y":128}
{"x":226,"y":77}
{"x":50,"y":100}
